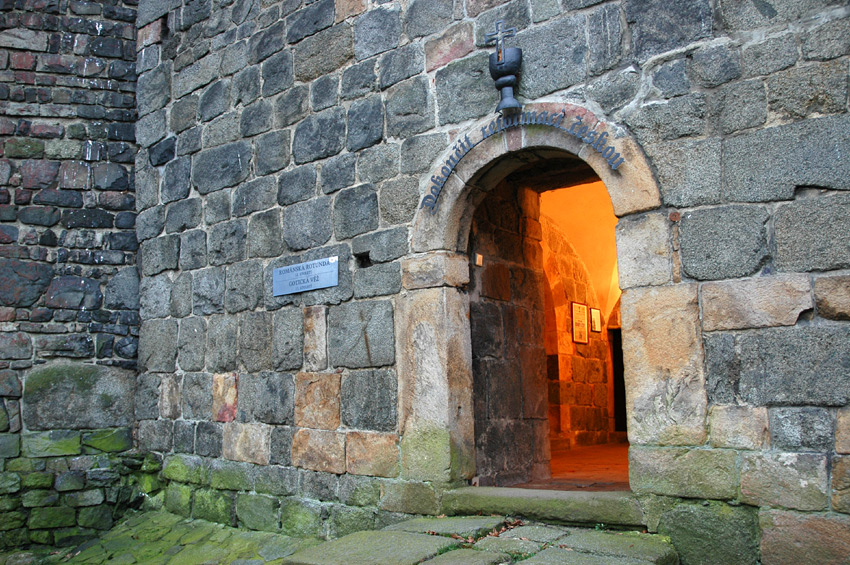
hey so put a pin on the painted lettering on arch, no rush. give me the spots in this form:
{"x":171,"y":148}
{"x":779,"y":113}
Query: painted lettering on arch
{"x":599,"y":141}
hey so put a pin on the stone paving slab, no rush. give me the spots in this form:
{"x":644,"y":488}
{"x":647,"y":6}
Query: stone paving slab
{"x":558,"y":556}
{"x":653,"y":549}
{"x":464,"y":526}
{"x":163,"y":538}
{"x":470,"y":557}
{"x":368,"y":548}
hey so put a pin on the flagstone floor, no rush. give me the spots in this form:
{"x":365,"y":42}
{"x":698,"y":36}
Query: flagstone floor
{"x":160,"y":537}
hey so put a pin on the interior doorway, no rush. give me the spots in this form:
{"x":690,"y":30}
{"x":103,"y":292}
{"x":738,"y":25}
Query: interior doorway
{"x":548,"y":387}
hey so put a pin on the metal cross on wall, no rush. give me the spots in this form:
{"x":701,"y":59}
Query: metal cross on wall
{"x":500,"y":35}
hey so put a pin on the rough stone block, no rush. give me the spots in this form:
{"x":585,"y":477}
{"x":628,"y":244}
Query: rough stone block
{"x":682,"y":116}
{"x":170,"y":397}
{"x":792,"y":537}
{"x":841,"y":484}
{"x":842,"y":430}
{"x":208,"y":439}
{"x":755,"y":303}
{"x":803,"y":90}
{"x":315,"y":338}
{"x":358,"y":80}
{"x":213,"y":506}
{"x":713,"y":533}
{"x":723,"y":242}
{"x":221,"y":167}
{"x":320,"y":135}
{"x":562,"y":39}
{"x":658,"y":26}
{"x":246,"y":442}
{"x":365,"y":123}
{"x":803,"y":226}
{"x":739,"y":106}
{"x":48,"y":518}
{"x":832,"y":295}
{"x":15,"y":345}
{"x":296,"y":185}
{"x":361,"y":334}
{"x":714,"y":65}
{"x":376,"y":31}
{"x":643,"y":250}
{"x":255,"y":341}
{"x":300,"y":518}
{"x":461,"y":91}
{"x":409,"y":108}
{"x":791,"y":480}
{"x":738,"y":427}
{"x":224,"y":397}
{"x":454,"y":43}
{"x":288,"y":339}
{"x":355,"y":211}
{"x":197,"y":396}
{"x":435,"y":269}
{"x":160,"y":254}
{"x":266,"y":397}
{"x":156,"y":435}
{"x":667,"y":389}
{"x":158,"y":346}
{"x":372,"y":454}
{"x":377,"y":280}
{"x":319,"y":450}
{"x":258,"y":512}
{"x":766,"y":367}
{"x":769,"y":164}
{"x":265,"y":237}
{"x":688,"y":171}
{"x":369,"y":400}
{"x":378,"y":163}
{"x":271,"y":152}
{"x":614,"y":90}
{"x":690,"y":473}
{"x":208,"y":286}
{"x":227,"y":242}
{"x":299,"y":234}
{"x":801,"y":429}
{"x":317,"y":400}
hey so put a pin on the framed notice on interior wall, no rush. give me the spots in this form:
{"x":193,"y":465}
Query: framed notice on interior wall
{"x":595,"y":320}
{"x":579,"y":322}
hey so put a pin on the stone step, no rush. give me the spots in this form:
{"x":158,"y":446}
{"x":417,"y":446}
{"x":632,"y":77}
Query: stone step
{"x":488,"y":540}
{"x":619,"y":508}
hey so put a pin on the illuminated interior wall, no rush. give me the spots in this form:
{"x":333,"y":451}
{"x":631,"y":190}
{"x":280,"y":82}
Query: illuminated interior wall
{"x":580,"y":263}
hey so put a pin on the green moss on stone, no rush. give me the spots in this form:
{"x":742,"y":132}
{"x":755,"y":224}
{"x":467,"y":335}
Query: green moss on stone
{"x":44,"y":537}
{"x":54,"y":443}
{"x":37,"y":480}
{"x":10,"y":445}
{"x":213,"y":505}
{"x":12,"y":520}
{"x":97,"y":517}
{"x":48,"y":518}
{"x":9,"y":502}
{"x":411,"y":498}
{"x":21,"y":465}
{"x":427,"y":454}
{"x":347,"y":520}
{"x":299,"y":518}
{"x":258,"y":512}
{"x":178,"y":499}
{"x":111,"y":440}
{"x":66,"y":537}
{"x":9,"y":483}
{"x":713,"y":532}
{"x":186,"y":469}
{"x":39,"y":497}
{"x":148,"y":483}
{"x":231,"y":475}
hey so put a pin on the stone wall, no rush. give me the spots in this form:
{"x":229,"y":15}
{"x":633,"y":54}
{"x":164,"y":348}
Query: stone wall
{"x":273,"y":133}
{"x":69,"y":301}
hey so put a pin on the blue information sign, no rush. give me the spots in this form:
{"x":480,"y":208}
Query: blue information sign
{"x":322,"y":273}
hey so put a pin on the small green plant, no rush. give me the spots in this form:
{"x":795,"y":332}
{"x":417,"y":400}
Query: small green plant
{"x":600,"y":526}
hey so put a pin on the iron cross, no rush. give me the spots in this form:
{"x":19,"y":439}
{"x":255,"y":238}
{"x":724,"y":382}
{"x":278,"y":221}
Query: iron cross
{"x":500,"y":35}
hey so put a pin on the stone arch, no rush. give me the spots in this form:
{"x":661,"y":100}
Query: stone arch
{"x":432,"y":325}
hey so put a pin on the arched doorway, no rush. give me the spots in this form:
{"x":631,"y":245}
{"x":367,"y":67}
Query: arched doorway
{"x":543,"y":295}
{"x":433,"y":327}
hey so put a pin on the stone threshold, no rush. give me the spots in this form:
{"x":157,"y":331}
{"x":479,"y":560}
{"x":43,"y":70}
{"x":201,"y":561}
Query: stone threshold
{"x":611,"y":508}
